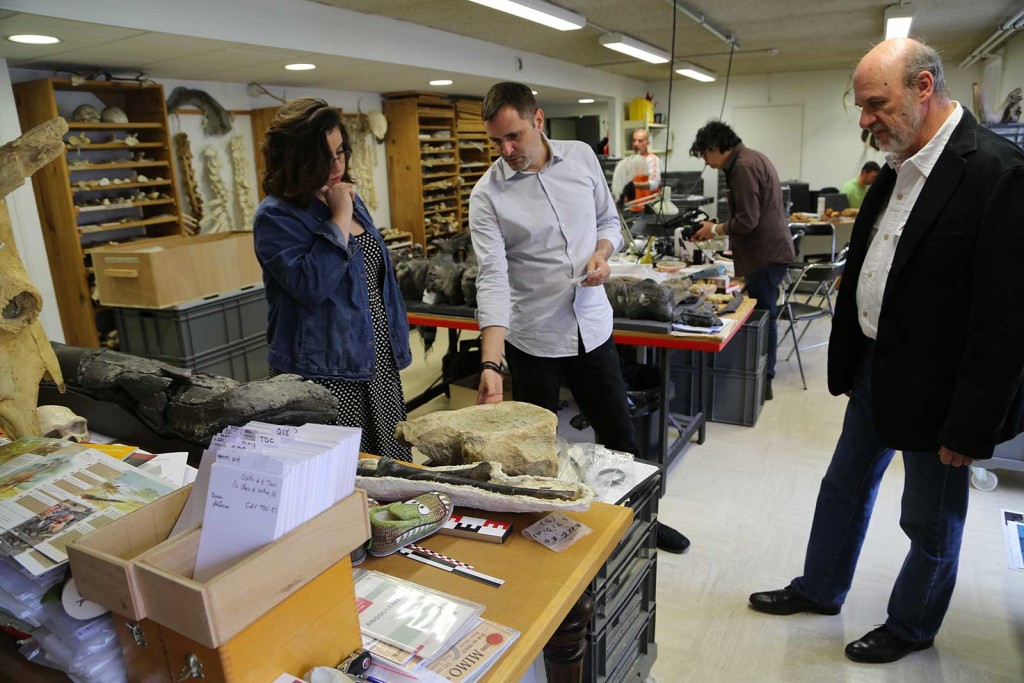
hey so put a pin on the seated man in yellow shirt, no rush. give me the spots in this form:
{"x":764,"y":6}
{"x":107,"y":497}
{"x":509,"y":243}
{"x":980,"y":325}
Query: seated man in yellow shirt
{"x":857,"y":187}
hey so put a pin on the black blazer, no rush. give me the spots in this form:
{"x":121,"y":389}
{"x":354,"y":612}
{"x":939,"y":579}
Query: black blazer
{"x":949,"y":358}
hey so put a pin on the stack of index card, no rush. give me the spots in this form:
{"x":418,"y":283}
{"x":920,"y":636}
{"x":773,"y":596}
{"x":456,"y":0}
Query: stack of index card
{"x":258,"y":482}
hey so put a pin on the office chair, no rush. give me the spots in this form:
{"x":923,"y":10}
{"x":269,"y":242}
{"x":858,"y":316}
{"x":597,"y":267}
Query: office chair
{"x":823,"y":277}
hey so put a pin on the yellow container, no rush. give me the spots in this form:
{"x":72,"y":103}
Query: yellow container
{"x":641,"y":109}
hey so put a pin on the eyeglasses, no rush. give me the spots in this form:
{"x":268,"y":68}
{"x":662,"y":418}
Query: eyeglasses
{"x":344,"y":155}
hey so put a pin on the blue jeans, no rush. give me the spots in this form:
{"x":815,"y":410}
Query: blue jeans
{"x":763,"y":285}
{"x":933,"y":510}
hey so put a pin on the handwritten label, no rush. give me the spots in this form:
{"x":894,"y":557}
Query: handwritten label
{"x":557,"y":531}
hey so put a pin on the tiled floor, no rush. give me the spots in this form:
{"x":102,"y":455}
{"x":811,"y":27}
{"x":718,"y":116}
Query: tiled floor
{"x":745,"y":499}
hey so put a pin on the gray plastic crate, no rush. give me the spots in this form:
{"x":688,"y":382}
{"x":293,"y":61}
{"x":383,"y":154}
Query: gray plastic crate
{"x":734,"y":397}
{"x":743,"y":353}
{"x":244,"y":362}
{"x":179,"y":334}
{"x":737,"y":397}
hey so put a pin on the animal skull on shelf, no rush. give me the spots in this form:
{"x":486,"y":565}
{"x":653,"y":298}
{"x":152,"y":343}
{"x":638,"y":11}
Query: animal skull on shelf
{"x":59,"y":422}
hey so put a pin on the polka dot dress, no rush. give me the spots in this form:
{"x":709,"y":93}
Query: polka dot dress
{"x":376,"y":405}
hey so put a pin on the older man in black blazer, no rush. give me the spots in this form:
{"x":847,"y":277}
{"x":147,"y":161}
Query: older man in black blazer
{"x":926,"y":342}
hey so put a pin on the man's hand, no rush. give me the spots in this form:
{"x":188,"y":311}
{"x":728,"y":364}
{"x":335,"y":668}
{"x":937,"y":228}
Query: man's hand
{"x":953,"y":458}
{"x":490,"y":390}
{"x":599,"y":271}
{"x":705,"y":233}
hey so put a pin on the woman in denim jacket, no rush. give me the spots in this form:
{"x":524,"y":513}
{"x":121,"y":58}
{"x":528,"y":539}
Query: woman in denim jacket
{"x":336,"y":314}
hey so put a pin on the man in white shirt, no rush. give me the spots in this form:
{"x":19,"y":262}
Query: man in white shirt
{"x":926,"y":342}
{"x":641,"y":141}
{"x":543,"y":225}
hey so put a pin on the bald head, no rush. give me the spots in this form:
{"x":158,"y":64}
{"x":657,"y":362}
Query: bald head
{"x":641,"y":140}
{"x":900,"y":87}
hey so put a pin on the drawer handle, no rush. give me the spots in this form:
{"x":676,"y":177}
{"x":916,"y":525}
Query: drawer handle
{"x":121,"y":272}
{"x":136,"y":631}
{"x":193,"y":668}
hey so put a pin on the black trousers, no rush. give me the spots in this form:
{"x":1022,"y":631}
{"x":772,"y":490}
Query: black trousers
{"x":595,"y":380}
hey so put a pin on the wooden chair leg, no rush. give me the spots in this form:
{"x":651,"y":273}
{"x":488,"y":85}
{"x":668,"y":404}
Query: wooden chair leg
{"x":563,"y":655}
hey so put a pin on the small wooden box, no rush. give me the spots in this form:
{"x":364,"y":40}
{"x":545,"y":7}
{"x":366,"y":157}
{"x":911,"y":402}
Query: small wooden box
{"x":285,"y":608}
{"x":164,"y":272}
{"x":103,"y":562}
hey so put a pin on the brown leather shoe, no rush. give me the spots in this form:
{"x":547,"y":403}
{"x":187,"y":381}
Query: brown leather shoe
{"x":882,"y":646}
{"x":787,"y":601}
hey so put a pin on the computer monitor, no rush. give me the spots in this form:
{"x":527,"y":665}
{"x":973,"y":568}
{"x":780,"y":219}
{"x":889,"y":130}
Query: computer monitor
{"x":836,"y":201}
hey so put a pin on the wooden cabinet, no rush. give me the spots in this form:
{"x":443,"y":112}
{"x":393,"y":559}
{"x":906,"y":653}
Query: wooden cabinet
{"x":475,"y":151}
{"x":423,"y":166}
{"x":115,"y":183}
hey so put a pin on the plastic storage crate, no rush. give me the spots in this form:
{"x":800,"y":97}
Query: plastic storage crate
{"x":734,"y":397}
{"x":223,"y":334}
{"x":620,"y":636}
{"x":743,"y":352}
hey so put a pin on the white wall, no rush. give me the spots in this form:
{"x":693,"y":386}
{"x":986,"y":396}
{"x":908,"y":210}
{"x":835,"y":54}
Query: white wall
{"x":831,"y":151}
{"x":1013,"y":69}
{"x":28,"y":233}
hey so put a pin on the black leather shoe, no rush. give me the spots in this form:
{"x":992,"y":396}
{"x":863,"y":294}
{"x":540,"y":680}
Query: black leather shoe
{"x":882,"y":646}
{"x":787,"y":601}
{"x":768,"y":393}
{"x":671,"y":540}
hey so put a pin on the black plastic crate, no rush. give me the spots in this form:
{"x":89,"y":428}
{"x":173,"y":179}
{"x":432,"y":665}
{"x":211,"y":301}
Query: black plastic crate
{"x":685,"y":382}
{"x":180,"y":333}
{"x":637,"y":661}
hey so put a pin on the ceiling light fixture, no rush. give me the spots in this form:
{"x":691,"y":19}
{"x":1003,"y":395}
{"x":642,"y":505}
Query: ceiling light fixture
{"x":29,"y":39}
{"x":587,"y":100}
{"x":538,"y":11}
{"x":897,"y":21}
{"x":442,"y":81}
{"x":697,"y":73}
{"x":300,"y":67}
{"x":633,"y":48}
{"x":534,"y":92}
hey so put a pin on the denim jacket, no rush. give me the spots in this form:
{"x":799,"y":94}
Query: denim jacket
{"x":319,"y":322}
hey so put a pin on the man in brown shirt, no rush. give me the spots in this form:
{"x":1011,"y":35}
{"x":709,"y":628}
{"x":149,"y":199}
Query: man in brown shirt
{"x":759,"y":235}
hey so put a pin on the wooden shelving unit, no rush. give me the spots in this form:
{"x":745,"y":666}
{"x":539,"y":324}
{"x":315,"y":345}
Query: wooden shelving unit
{"x":475,"y":151}
{"x":71,"y":233}
{"x":423,"y":165}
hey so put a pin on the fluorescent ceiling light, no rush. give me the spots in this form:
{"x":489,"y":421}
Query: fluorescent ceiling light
{"x":695,"y":72}
{"x":441,"y":81}
{"x":539,"y":11}
{"x":633,"y":48}
{"x":29,"y":39}
{"x":534,"y":92}
{"x":897,"y":21}
{"x":299,"y":67}
{"x":587,"y":100}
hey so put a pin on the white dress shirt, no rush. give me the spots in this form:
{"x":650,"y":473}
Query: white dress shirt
{"x":653,"y":175}
{"x":532,"y":234}
{"x":911,"y":176}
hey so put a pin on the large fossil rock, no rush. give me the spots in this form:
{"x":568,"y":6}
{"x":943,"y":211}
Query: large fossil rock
{"x":520,"y":436}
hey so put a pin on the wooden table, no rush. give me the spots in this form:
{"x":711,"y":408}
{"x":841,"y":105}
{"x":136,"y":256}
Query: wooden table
{"x":643,"y":333}
{"x":541,"y":586}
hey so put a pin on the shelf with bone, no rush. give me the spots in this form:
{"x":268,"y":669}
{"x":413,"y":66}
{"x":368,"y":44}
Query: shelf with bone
{"x":115,"y":164}
{"x":114,"y":206}
{"x":103,"y":125}
{"x":125,"y":225}
{"x":118,"y":186}
{"x":104,"y":162}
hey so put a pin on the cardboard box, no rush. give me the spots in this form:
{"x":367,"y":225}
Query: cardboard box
{"x":462,"y":393}
{"x":114,"y":567}
{"x":166,"y":271}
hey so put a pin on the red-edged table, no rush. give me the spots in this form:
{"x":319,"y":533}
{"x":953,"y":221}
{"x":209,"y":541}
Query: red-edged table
{"x":643,"y":333}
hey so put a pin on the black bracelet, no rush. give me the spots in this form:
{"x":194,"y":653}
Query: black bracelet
{"x":490,"y":365}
